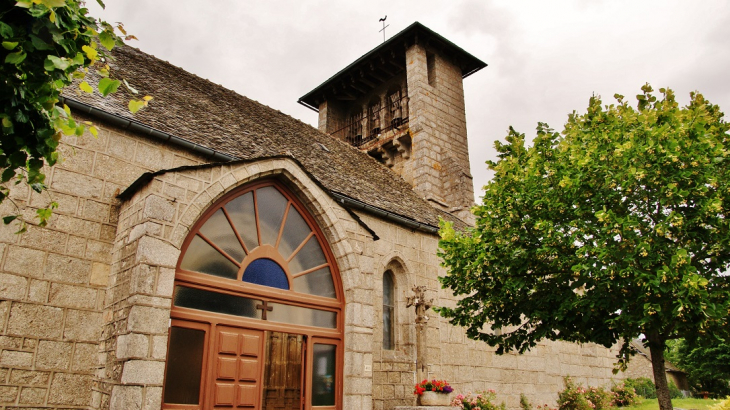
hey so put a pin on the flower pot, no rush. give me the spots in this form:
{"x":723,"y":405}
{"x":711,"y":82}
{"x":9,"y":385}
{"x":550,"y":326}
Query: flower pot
{"x":432,"y":398}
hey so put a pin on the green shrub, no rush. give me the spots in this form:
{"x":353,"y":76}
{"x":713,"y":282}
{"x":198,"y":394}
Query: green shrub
{"x":623,"y":395}
{"x":643,"y":386}
{"x":600,"y":398}
{"x":524,"y":402}
{"x":674,"y":391}
{"x":573,"y":397}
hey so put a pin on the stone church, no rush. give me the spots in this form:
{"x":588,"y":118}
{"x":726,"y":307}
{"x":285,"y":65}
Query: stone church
{"x":211,"y":252}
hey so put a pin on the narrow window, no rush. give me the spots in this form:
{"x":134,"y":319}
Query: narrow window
{"x":323,"y":374}
{"x":374,"y":119}
{"x":388,"y":311}
{"x":431,"y":68}
{"x":184,"y":366}
{"x":395,"y":112}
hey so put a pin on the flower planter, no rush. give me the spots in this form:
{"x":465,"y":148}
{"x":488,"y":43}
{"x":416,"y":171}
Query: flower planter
{"x":430,"y":398}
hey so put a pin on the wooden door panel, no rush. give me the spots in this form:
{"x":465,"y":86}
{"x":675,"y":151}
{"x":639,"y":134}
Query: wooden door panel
{"x":227,"y":342}
{"x":237,"y":373}
{"x":227,"y":368}
{"x":247,"y":396}
{"x":251,"y":345}
{"x":248,"y":370}
{"x":225,"y":394}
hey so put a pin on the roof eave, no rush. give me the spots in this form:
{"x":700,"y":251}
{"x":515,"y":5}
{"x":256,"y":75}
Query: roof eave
{"x":475,"y":64}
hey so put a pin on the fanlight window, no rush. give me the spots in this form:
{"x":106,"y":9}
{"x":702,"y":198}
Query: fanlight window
{"x":261,"y":238}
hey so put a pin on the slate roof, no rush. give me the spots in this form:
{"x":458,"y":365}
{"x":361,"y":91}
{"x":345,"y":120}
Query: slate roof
{"x":207,"y":114}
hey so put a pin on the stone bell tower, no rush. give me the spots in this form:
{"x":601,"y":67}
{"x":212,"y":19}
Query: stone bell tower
{"x":403,"y":103}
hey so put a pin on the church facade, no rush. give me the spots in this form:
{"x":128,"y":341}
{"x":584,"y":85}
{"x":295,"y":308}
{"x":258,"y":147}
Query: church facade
{"x":211,"y":252}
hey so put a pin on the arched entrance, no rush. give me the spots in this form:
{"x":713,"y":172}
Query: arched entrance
{"x":257,"y":316}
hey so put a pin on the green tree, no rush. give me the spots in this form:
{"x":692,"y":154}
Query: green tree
{"x":46,"y":46}
{"x":706,"y":361}
{"x":617,"y":227}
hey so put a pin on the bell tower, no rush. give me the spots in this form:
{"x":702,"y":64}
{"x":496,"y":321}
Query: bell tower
{"x":403,"y":104}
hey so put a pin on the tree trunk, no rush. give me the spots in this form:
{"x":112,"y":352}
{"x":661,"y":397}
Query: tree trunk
{"x":657,"y":347}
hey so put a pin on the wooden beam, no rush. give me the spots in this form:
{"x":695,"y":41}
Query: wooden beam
{"x":365,"y":81}
{"x":354,"y":85}
{"x":374,"y":73}
{"x":383,"y":66}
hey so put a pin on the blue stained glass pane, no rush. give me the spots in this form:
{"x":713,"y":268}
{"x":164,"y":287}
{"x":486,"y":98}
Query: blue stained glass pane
{"x":266,"y":272}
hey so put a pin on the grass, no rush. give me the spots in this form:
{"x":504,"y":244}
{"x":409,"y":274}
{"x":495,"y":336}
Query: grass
{"x":687,"y":404}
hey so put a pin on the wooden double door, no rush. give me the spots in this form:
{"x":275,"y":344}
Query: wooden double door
{"x":243,"y":368}
{"x":253,"y":365}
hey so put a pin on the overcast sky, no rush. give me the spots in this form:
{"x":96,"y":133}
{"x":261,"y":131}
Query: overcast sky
{"x":545,"y":58}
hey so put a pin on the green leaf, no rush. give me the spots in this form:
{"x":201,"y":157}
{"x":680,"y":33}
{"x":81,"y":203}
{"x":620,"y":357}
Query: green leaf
{"x":5,"y":30}
{"x":129,"y":87}
{"x":7,"y":123}
{"x":94,"y":131}
{"x":90,"y":53}
{"x":101,"y":3}
{"x":39,"y":44}
{"x":9,"y":45}
{"x":136,"y":105}
{"x":26,"y":4}
{"x":37,"y":187}
{"x":15,"y":58}
{"x":44,"y":214}
{"x":8,"y":174}
{"x":108,"y":86}
{"x":9,"y":218}
{"x":85,"y":87}
{"x":78,"y":59}
{"x":56,"y":62}
{"x":48,"y":65}
{"x":107,"y":40}
{"x":53,"y":3}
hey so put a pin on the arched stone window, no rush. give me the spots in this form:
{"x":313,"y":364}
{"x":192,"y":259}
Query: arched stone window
{"x":374,"y":118}
{"x":257,"y":308}
{"x":354,"y":128}
{"x":388,"y":310}
{"x":395,"y":108}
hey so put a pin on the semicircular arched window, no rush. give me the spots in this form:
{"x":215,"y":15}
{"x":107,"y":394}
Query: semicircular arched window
{"x":261,"y":238}
{"x":257,"y":294}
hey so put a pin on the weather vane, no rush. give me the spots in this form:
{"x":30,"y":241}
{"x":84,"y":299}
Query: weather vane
{"x":384,"y":26}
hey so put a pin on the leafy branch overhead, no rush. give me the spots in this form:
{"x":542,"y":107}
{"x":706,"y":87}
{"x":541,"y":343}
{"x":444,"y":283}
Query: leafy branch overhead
{"x":615,"y":228}
{"x":46,"y":46}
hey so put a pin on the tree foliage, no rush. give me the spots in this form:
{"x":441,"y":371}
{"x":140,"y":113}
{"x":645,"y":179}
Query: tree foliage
{"x":617,"y":227}
{"x":706,"y":361}
{"x":46,"y":45}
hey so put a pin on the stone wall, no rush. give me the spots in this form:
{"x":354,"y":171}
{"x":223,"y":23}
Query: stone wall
{"x":53,"y":280}
{"x":440,"y":153}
